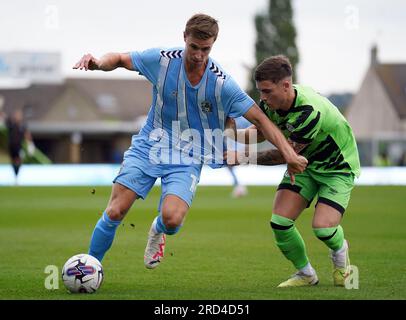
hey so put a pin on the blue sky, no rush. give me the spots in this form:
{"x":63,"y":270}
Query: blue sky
{"x":334,"y":37}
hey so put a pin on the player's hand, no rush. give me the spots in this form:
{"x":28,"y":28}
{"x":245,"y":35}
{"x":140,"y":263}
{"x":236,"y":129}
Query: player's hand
{"x":88,"y":62}
{"x":297,"y":165}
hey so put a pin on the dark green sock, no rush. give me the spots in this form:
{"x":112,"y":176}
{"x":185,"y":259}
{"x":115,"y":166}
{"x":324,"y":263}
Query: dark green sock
{"x":289,"y":240}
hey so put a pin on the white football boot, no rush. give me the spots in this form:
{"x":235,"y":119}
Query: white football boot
{"x":154,"y":251}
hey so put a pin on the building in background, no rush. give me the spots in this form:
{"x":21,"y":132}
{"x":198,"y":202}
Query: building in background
{"x":73,"y":120}
{"x":377,"y":113}
{"x":91,"y":120}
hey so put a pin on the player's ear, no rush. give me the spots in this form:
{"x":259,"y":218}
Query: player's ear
{"x":286,"y":84}
{"x":184,"y":36}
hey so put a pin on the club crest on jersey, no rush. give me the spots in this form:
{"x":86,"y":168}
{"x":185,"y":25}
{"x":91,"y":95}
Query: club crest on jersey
{"x":206,"y":106}
{"x":290,"y":127}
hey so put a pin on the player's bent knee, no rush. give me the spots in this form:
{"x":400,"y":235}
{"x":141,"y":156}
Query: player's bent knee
{"x":171,"y":227}
{"x":323,"y":224}
{"x":115,"y":213}
{"x":326,"y":222}
{"x":162,"y":227}
{"x":280,"y":223}
{"x":326,"y":233}
{"x":172,"y":222}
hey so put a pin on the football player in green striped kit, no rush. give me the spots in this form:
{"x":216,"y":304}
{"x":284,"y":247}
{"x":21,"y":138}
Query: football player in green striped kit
{"x":318,"y":131}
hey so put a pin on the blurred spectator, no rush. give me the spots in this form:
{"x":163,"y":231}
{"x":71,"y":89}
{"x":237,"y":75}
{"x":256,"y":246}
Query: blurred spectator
{"x":239,"y":190}
{"x":383,"y":160}
{"x":402,"y":161}
{"x":18,"y":134}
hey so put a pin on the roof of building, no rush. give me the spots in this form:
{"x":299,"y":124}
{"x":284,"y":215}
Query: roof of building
{"x":123,"y":99}
{"x":393,"y":77}
{"x":111,"y":99}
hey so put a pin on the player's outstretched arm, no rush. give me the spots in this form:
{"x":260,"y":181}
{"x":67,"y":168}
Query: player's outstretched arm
{"x":270,"y":131}
{"x":250,"y":135}
{"x":274,"y":157}
{"x":267,"y":158}
{"x":108,"y":62}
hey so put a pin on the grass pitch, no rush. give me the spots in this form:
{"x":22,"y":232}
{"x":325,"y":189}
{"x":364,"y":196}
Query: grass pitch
{"x":225,"y":250}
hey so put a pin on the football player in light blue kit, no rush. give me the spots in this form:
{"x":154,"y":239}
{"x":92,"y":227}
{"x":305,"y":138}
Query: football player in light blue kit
{"x":192,"y":99}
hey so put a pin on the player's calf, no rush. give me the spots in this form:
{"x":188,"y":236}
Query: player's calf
{"x":291,"y":244}
{"x":103,"y":236}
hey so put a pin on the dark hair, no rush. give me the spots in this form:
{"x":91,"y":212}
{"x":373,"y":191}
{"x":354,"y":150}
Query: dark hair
{"x":202,"y":26}
{"x":273,"y":69}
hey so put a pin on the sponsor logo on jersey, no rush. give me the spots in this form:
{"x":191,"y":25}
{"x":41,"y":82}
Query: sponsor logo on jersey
{"x":206,"y":106}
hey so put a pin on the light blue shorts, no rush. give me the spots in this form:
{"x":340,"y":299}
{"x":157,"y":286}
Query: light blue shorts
{"x":138,"y":174}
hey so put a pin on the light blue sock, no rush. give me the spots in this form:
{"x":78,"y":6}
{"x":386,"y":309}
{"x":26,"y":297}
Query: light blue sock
{"x":161,"y":228}
{"x":103,"y":236}
{"x":234,"y":176}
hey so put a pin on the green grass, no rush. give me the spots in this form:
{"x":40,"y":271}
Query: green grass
{"x":224,"y":251}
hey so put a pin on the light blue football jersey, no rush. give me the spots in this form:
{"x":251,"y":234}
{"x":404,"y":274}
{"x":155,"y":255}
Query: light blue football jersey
{"x":184,"y":117}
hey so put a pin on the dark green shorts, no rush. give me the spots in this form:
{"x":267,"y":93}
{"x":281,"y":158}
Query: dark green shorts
{"x":333,"y":189}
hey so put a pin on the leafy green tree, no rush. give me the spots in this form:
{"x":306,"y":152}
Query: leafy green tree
{"x":276,"y":34}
